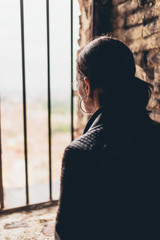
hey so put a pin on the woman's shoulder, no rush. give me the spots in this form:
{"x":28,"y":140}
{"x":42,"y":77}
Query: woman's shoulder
{"x":87,"y":141}
{"x":83,"y":149}
{"x":85,"y":144}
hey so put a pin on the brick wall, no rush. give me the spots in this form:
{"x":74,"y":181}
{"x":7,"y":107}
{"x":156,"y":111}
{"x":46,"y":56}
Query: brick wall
{"x":137,"y":23}
{"x":85,"y":32}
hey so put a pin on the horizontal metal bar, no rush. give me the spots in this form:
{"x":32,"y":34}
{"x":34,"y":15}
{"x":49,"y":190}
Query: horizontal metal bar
{"x":30,"y":207}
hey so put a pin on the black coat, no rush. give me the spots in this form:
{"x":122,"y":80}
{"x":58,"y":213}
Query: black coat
{"x":110,"y":179}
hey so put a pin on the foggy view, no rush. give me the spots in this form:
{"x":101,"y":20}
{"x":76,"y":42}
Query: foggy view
{"x":36,"y":95}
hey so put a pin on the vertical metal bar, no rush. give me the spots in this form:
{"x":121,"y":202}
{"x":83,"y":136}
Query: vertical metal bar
{"x":49,"y":102}
{"x":93,"y":18}
{"x":72,"y":92}
{"x":1,"y":176}
{"x":24,"y":100}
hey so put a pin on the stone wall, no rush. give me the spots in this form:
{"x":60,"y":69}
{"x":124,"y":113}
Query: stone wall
{"x":85,"y":33}
{"x":137,"y":23}
{"x":93,"y":13}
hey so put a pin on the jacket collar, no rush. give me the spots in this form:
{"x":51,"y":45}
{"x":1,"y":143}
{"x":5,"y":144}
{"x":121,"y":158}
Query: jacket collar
{"x":96,"y":119}
{"x":107,"y":115}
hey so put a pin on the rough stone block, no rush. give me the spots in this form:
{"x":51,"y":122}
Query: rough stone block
{"x":135,"y":19}
{"x":127,"y":7}
{"x":152,"y":12}
{"x":153,"y":58}
{"x":153,"y":104}
{"x":146,"y":3}
{"x":116,"y":2}
{"x":130,"y":34}
{"x":143,"y":15}
{"x":151,"y":28}
{"x":146,"y":44}
{"x":119,"y":33}
{"x":156,"y":87}
{"x":139,"y":59}
{"x":157,"y":74}
{"x":133,"y":33}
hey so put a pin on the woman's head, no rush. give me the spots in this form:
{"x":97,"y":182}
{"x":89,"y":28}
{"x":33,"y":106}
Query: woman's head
{"x":106,"y":66}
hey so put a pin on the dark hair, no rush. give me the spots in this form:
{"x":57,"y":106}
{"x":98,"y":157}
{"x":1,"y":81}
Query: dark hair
{"x":109,"y":64}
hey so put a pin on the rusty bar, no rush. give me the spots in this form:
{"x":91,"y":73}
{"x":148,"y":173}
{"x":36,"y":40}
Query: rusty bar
{"x":30,"y":207}
{"x":1,"y":176}
{"x":72,"y":91}
{"x":49,"y":102}
{"x":93,"y":19}
{"x":24,"y":100}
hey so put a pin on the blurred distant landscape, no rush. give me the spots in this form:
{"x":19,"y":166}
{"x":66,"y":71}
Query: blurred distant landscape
{"x":36,"y":96}
{"x":37,"y":132}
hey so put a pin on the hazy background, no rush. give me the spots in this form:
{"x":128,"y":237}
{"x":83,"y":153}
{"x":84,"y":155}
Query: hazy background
{"x":35,"y":45}
{"x":36,"y":95}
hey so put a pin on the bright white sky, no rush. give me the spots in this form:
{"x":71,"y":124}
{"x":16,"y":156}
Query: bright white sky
{"x":35,"y":46}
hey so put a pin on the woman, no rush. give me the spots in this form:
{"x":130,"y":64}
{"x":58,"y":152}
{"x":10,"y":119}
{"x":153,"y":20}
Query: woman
{"x":110,"y":174}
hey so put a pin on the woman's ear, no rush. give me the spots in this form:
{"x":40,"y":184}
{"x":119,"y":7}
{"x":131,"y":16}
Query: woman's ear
{"x":87,"y":86}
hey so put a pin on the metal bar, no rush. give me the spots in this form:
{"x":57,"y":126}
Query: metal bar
{"x":49,"y":102}
{"x":24,"y":100}
{"x":93,"y":18}
{"x":1,"y":176}
{"x":30,"y":207}
{"x":72,"y":91}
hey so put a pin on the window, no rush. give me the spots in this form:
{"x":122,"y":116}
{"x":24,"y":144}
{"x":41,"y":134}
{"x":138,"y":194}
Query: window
{"x":38,"y":50}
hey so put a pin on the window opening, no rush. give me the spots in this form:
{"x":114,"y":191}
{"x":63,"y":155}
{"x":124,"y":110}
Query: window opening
{"x":38,"y":108}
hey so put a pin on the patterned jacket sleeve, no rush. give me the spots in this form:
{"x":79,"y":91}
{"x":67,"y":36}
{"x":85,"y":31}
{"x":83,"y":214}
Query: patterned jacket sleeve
{"x":66,"y":227}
